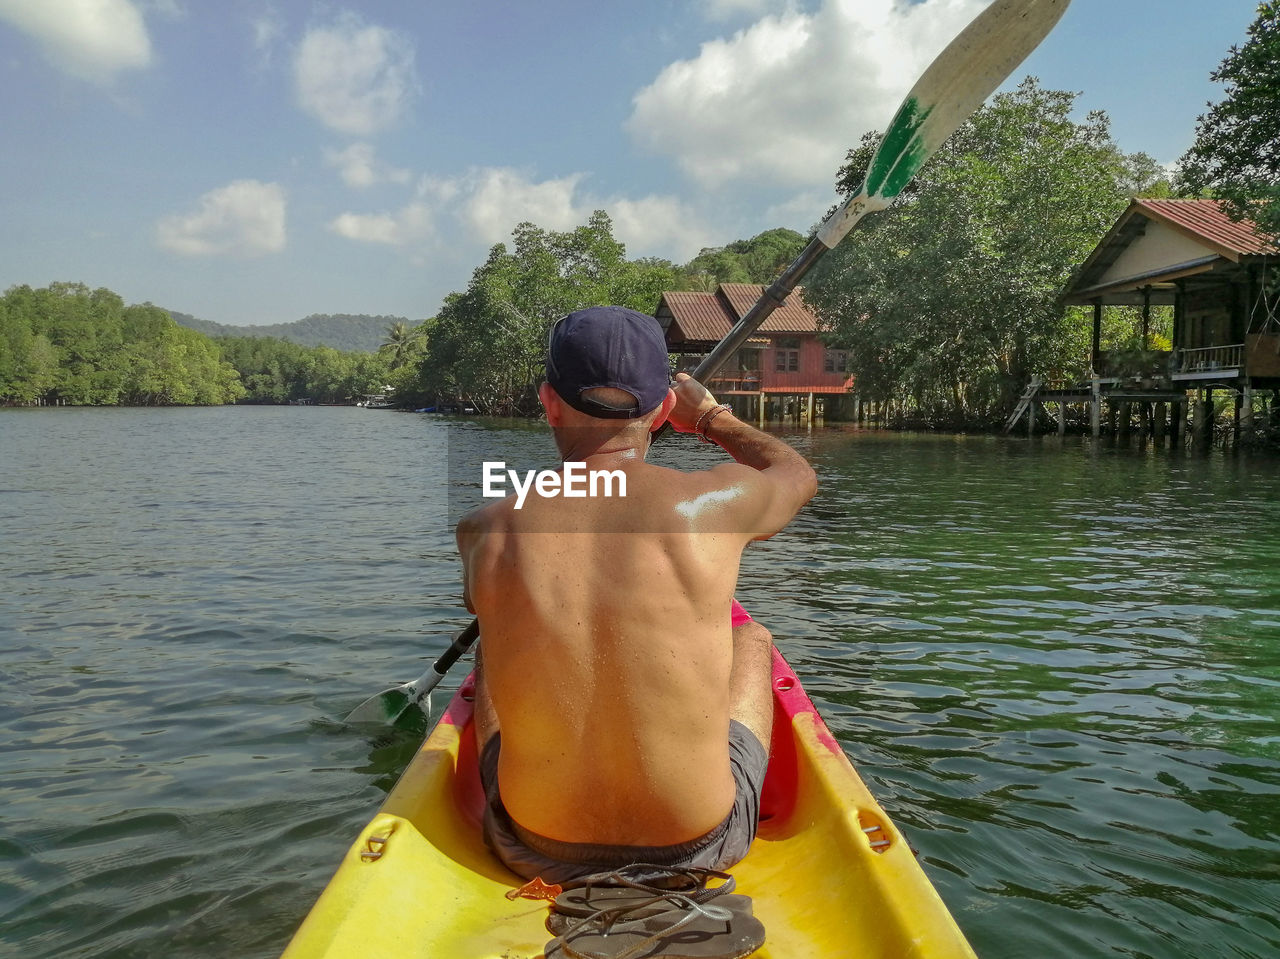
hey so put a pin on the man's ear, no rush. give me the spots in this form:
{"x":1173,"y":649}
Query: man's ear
{"x":551,"y":402}
{"x":664,"y":410}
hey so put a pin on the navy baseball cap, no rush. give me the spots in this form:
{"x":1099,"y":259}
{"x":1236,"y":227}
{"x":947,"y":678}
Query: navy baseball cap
{"x":608,"y":346}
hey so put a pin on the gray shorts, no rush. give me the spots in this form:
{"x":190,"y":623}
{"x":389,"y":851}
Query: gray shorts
{"x":528,"y":854}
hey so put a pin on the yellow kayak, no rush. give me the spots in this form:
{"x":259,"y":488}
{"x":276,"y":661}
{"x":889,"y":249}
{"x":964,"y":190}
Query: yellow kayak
{"x":829,"y":874}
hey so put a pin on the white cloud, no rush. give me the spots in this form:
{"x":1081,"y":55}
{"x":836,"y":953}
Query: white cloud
{"x":245,"y":218}
{"x":166,"y":8}
{"x":782,"y":100}
{"x":411,"y":224}
{"x":491,"y":201}
{"x":485,"y":204}
{"x":91,"y":39}
{"x":360,"y":167}
{"x":267,"y":29}
{"x":353,"y":77}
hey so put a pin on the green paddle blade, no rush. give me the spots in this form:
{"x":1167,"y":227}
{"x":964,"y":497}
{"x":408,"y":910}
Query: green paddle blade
{"x":962,"y":76}
{"x":384,"y":708}
{"x":393,"y":705}
{"x":412,"y":701}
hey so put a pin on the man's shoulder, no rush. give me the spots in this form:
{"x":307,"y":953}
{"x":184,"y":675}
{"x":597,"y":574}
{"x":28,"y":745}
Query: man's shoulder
{"x":721,"y":475}
{"x":485,"y":518}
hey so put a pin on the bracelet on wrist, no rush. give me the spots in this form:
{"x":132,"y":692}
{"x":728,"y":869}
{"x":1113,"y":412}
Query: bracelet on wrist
{"x":705,"y":420}
{"x":709,"y":411}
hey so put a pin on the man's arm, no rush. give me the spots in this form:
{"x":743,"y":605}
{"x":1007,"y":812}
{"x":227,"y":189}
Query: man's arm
{"x":788,"y":480}
{"x":465,"y":537}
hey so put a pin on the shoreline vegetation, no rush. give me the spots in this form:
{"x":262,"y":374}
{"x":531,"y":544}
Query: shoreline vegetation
{"x":68,"y":345}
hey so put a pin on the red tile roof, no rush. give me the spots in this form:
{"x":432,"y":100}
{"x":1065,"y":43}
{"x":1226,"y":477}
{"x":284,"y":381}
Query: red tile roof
{"x":1208,"y":222}
{"x":708,"y":317}
{"x":699,"y":316}
{"x":792,"y":317}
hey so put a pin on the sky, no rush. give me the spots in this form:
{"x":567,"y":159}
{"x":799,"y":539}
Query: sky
{"x":258,"y":161}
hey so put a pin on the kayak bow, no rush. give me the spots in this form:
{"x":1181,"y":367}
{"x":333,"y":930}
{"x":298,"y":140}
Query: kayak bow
{"x":829,"y":874}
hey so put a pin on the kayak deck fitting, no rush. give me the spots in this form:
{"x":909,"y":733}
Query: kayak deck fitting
{"x":829,"y":874}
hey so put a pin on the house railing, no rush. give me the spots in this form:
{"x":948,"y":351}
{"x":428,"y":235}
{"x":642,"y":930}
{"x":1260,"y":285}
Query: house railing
{"x":1210,"y":358}
{"x":747,"y":381}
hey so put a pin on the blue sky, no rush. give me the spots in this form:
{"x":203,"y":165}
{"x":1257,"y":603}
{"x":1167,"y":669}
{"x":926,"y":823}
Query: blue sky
{"x":256,"y":161}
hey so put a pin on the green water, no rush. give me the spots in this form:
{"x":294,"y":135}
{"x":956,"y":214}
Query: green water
{"x":1055,"y":664}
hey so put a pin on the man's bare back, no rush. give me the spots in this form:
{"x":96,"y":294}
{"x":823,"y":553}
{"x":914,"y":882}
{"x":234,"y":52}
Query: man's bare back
{"x":608,"y":660}
{"x":614,"y":650}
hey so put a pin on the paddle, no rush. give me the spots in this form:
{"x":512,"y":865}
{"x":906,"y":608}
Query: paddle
{"x":396,"y":704}
{"x":962,"y":76}
{"x":957,"y":82}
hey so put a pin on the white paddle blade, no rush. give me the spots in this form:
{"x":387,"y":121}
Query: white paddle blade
{"x":960,"y":78}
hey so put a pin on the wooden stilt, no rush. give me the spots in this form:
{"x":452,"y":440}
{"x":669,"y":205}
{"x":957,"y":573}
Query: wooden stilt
{"x":1095,"y":409}
{"x":1204,"y":418}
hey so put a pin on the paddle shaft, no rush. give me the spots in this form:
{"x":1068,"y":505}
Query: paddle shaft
{"x":440,"y":668}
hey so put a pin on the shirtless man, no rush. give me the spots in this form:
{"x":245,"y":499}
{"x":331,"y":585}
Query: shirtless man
{"x":619,"y":716}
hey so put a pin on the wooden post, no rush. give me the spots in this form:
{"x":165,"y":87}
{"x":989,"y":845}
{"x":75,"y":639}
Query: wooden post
{"x":1124,"y":418}
{"x":809,"y":411}
{"x":1095,"y":355}
{"x":760,"y":412}
{"x":1246,"y":412}
{"x":1062,"y":418}
{"x":1095,"y":408}
{"x":1204,"y":418}
{"x":1146,"y":316}
{"x":1157,"y":421}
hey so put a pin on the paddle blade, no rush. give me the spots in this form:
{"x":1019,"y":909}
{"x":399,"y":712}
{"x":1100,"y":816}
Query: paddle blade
{"x":962,"y":76}
{"x":384,"y":708}
{"x":968,"y":71}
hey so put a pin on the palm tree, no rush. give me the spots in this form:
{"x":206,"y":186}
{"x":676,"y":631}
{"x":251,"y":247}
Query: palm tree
{"x":399,"y":344}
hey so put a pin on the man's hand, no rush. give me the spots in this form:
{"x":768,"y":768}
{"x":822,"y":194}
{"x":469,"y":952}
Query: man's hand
{"x":692,"y":400}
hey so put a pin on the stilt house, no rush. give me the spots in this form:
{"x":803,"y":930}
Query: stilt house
{"x":1222,"y":279}
{"x":782,"y":372}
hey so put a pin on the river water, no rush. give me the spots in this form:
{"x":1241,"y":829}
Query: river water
{"x":1054,"y":662}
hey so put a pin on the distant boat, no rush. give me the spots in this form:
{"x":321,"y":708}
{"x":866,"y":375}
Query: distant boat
{"x":379,"y":401}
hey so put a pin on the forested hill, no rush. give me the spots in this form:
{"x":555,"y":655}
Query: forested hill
{"x":339,"y":331}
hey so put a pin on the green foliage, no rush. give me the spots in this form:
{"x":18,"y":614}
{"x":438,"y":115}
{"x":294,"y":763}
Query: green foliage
{"x":486,"y":345}
{"x":758,"y":260}
{"x":67,"y":343}
{"x":341,"y":331}
{"x":277,"y":371}
{"x":1236,"y":154}
{"x":951,"y":296}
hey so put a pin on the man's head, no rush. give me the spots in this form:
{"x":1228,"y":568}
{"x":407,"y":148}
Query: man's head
{"x":608,"y":362}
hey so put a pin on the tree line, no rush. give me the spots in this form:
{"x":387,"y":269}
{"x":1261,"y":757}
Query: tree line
{"x":68,"y":344}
